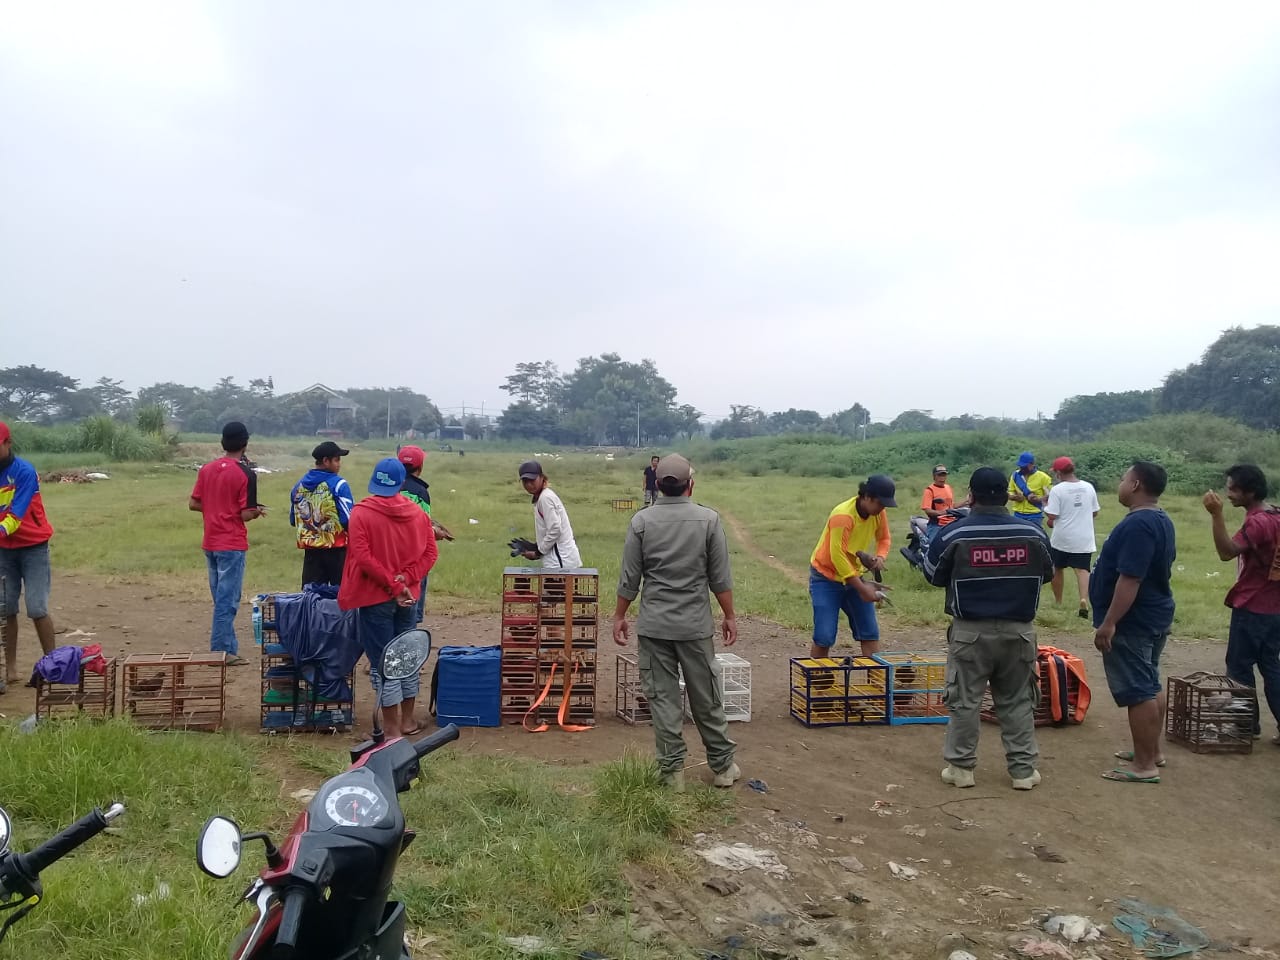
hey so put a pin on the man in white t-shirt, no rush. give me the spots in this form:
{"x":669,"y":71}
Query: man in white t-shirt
{"x":552,"y":531}
{"x":1071,"y":508}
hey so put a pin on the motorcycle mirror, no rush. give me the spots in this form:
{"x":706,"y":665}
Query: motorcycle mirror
{"x":5,"y":829}
{"x":405,"y":655}
{"x":218,"y":849}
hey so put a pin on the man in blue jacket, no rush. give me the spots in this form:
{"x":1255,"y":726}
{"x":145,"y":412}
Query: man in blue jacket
{"x":993,"y":567}
{"x":320,"y":509}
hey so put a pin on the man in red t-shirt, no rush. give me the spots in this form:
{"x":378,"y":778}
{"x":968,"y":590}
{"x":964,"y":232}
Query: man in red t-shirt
{"x":226,"y":495}
{"x":1254,"y":599}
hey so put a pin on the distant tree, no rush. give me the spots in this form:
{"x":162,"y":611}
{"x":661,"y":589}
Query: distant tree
{"x":535,"y":383}
{"x":1083,"y":417}
{"x":33,"y":393}
{"x":795,"y":421}
{"x":262,"y":388}
{"x":175,"y":398}
{"x":744,"y":420}
{"x":850,"y":422}
{"x":688,"y":420}
{"x":1237,"y":377}
{"x":527,"y":421}
{"x":913,"y":421}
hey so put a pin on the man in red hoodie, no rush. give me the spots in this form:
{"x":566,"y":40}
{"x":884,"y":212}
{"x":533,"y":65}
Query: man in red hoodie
{"x":390,"y":548}
{"x":24,"y":553}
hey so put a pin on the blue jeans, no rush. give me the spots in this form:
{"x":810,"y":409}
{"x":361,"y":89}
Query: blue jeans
{"x":379,"y":625}
{"x":25,"y":567}
{"x":226,"y":578}
{"x":1254,"y":640}
{"x":830,"y":597}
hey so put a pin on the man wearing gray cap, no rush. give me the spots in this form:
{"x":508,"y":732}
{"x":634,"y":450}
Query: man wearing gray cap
{"x":678,"y":549}
{"x":553,"y":534}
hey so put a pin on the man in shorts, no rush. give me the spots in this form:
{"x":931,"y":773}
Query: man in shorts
{"x":1132,"y":613}
{"x":1072,"y":507}
{"x":843,"y":555}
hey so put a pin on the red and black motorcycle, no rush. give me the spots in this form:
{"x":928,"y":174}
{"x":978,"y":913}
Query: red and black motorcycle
{"x":325,"y":892}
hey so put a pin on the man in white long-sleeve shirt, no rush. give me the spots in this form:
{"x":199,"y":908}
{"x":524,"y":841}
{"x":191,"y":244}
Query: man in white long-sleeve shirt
{"x":551,"y":528}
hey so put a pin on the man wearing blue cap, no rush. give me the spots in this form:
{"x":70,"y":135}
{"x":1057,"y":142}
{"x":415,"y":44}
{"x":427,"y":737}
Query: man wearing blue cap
{"x":391,"y":547}
{"x":1029,"y":490}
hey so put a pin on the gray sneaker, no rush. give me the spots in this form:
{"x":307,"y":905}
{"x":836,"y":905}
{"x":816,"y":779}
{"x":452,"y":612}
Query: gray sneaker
{"x":957,"y":776}
{"x":1026,"y":783}
{"x":674,"y":780}
{"x":729,"y":777}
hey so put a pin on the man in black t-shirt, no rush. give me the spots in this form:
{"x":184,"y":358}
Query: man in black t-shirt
{"x":651,"y":482}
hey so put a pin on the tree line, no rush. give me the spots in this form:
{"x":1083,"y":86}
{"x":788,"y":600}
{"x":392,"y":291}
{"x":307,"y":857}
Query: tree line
{"x":608,"y":400}
{"x":33,"y":394}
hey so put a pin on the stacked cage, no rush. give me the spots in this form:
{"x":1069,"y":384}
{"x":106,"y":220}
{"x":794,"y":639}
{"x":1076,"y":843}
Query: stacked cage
{"x":291,"y":700}
{"x":917,"y":687}
{"x":550,"y":626}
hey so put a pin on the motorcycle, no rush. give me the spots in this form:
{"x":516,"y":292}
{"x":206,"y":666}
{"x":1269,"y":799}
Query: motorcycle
{"x":919,"y":535}
{"x":20,"y":888}
{"x":324,"y":894}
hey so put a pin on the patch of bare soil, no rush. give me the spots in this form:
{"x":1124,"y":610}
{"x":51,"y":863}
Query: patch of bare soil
{"x":842,"y":803}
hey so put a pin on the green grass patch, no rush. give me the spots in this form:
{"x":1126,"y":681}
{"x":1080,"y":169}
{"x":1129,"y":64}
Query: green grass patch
{"x":505,"y":847}
{"x":137,"y":525}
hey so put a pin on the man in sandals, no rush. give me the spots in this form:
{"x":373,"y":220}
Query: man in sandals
{"x":1132,"y":613}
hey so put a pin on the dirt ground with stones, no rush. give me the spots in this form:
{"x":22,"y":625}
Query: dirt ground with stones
{"x":842,"y":803}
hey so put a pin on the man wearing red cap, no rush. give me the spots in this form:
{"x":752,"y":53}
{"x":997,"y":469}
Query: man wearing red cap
{"x":1071,"y":509}
{"x":419,"y":491}
{"x":24,"y":553}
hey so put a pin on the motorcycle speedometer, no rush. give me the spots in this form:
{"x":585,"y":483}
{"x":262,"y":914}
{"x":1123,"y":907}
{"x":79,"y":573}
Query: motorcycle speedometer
{"x":354,"y":805}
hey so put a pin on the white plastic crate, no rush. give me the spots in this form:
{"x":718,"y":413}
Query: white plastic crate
{"x":735,"y":688}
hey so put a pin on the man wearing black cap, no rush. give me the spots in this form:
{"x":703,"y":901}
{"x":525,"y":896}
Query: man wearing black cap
{"x":320,"y":509}
{"x":993,"y":567}
{"x":552,"y":531}
{"x":678,"y":550}
{"x":226,"y":496}
{"x":841,"y":560}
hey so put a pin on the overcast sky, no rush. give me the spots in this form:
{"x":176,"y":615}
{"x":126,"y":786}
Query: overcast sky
{"x":959,"y":207}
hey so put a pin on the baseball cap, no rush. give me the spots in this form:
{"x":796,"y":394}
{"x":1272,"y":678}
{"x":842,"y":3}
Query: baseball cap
{"x":881,"y":487}
{"x":940,"y":468}
{"x":4,"y":432}
{"x":675,"y":467}
{"x":328,"y":449}
{"x":988,"y":481}
{"x":412,"y":457}
{"x":388,"y":477}
{"x":530,"y":470}
{"x":1026,"y":458}
{"x":1063,"y":465}
{"x":235,"y":436}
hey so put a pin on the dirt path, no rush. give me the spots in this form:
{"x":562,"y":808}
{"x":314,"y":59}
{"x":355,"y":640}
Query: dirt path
{"x":842,"y":802}
{"x":744,"y":540}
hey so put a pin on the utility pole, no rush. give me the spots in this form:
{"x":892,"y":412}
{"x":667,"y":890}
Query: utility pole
{"x":637,"y":424}
{"x":388,"y":416}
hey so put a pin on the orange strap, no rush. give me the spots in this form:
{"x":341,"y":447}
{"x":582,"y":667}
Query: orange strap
{"x":564,"y":703}
{"x":1067,"y":712}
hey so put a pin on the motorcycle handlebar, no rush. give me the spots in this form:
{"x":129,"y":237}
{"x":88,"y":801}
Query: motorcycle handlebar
{"x":55,"y":848}
{"x":295,"y":900}
{"x":437,"y":740}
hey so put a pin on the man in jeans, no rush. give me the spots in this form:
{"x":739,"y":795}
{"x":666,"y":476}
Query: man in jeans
{"x":226,"y":497}
{"x":1254,"y":599}
{"x":24,"y":554}
{"x":1132,"y":613}
{"x":678,"y":550}
{"x":391,"y":550}
{"x":993,"y":567}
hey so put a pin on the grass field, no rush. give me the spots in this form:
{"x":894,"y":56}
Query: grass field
{"x":136,"y":893}
{"x":137,"y":525}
